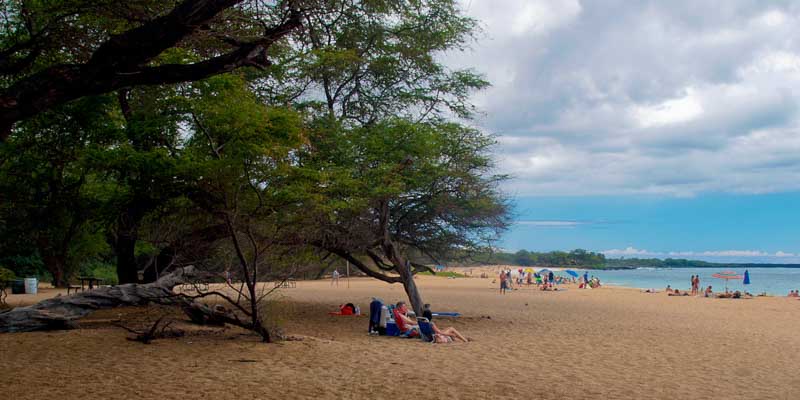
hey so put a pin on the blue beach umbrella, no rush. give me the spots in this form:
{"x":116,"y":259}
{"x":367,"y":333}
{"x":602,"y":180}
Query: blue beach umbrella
{"x":573,"y":273}
{"x":746,"y":277}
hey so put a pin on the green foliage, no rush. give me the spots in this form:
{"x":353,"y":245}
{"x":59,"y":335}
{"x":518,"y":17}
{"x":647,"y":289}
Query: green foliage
{"x":24,"y":265}
{"x":367,"y":61}
{"x":99,"y":269}
{"x":430,"y":182}
{"x":575,"y":258}
{"x":48,"y":206}
{"x":443,"y":274}
{"x":6,"y":274}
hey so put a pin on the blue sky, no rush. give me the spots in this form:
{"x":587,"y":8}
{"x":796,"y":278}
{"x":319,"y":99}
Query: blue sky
{"x":645,"y":127}
{"x":740,"y":228}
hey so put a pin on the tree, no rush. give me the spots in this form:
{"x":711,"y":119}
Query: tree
{"x":54,"y":52}
{"x":243,"y":151}
{"x":402,"y":186}
{"x":358,"y":67}
{"x":364,"y":61}
{"x":48,"y":187}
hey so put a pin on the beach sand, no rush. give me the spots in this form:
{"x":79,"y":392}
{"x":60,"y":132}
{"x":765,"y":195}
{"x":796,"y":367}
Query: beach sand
{"x":611,"y":343}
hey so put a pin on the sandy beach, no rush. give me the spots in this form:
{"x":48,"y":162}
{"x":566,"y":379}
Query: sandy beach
{"x":613,"y":343}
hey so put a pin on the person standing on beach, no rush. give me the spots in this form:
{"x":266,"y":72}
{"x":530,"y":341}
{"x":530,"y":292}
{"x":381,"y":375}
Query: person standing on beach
{"x":335,"y":277}
{"x":697,"y":285}
{"x":693,"y":287}
{"x":503,"y":282}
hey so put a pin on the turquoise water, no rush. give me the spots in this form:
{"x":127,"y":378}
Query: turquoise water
{"x":774,"y":281}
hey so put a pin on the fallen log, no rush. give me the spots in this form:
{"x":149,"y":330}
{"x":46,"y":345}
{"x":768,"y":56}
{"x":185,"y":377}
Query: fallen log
{"x":62,"y":311}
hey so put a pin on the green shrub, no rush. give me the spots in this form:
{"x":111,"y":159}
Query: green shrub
{"x":6,"y":274}
{"x":98,"y":269}
{"x":446,"y":274}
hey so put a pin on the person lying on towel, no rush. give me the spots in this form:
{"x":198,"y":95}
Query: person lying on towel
{"x":405,"y":324}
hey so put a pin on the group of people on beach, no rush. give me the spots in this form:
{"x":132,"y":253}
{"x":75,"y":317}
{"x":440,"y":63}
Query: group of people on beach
{"x":696,"y":285}
{"x":793,"y":293}
{"x":408,"y":326}
{"x":544,"y":281}
{"x":708,"y":292}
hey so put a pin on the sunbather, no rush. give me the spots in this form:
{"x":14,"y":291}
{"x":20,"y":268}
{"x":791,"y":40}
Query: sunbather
{"x":451,"y":333}
{"x":677,"y":292}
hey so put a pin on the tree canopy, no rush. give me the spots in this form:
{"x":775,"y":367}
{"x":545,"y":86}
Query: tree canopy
{"x":253,"y":137}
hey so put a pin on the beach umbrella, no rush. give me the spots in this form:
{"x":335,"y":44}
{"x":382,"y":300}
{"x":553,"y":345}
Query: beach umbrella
{"x":544,"y":271}
{"x":727,"y":275}
{"x":746,"y":277}
{"x":573,"y":273}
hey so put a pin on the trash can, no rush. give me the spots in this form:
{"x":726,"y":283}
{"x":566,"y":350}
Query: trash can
{"x":31,"y":285}
{"x":17,"y":286}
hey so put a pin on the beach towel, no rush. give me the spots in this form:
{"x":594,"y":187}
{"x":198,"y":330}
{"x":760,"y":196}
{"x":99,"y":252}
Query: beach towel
{"x":346,"y":309}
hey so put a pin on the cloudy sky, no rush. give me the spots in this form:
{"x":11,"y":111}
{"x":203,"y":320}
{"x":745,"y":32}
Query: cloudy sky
{"x":664,"y":128}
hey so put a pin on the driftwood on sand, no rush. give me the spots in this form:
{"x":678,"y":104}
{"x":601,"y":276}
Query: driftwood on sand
{"x":61,"y":312}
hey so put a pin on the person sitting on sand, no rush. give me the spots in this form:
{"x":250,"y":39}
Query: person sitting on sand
{"x":677,"y":292}
{"x":447,"y":334}
{"x":708,"y":292}
{"x":406,"y":325}
{"x":668,"y":289}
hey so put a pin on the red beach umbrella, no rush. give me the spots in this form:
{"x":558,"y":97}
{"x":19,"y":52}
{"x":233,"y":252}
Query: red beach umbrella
{"x":727,"y":275}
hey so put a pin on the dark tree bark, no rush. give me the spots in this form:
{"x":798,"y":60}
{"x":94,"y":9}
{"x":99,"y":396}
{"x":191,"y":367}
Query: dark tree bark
{"x":124,"y":248}
{"x":122,"y":60}
{"x":56,"y":266}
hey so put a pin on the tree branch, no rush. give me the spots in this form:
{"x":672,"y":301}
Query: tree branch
{"x":120,"y":62}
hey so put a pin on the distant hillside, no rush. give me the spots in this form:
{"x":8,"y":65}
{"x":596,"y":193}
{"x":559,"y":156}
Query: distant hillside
{"x":584,"y":259}
{"x":684,"y":263}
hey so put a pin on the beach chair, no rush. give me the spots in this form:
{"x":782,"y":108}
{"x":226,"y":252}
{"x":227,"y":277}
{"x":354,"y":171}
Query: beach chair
{"x":425,"y":329}
{"x":448,"y":314}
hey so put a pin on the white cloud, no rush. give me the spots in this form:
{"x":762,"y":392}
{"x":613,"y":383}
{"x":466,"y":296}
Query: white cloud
{"x":551,"y":223}
{"x":670,"y":111}
{"x":721,"y":253}
{"x":542,"y":16}
{"x":673,"y":98}
{"x":628,"y":251}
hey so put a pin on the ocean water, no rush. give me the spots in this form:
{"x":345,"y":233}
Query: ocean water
{"x":774,"y":281}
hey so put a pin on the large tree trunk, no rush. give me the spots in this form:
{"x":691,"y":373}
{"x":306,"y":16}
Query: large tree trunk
{"x":61,"y":312}
{"x":125,"y":247}
{"x":410,"y":287}
{"x":56,"y":266}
